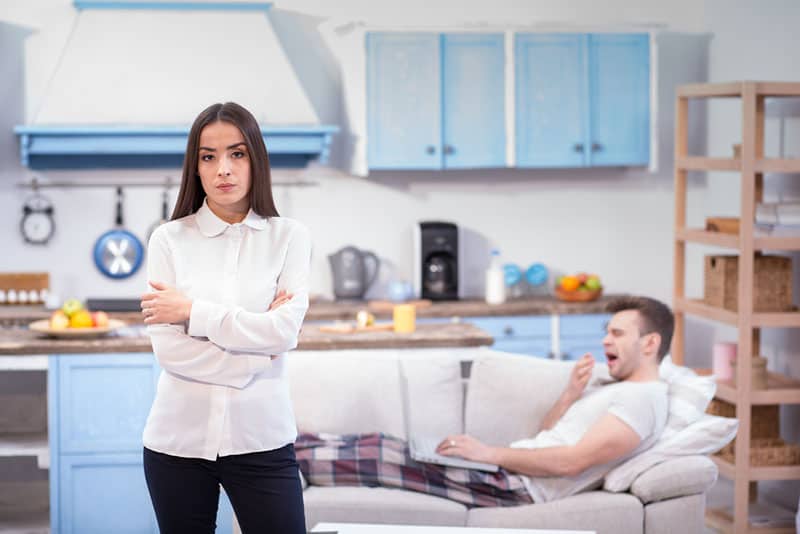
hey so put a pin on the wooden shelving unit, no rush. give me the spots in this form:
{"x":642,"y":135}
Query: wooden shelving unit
{"x":751,"y":166}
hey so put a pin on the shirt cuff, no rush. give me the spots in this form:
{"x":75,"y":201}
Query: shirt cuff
{"x":198,"y":318}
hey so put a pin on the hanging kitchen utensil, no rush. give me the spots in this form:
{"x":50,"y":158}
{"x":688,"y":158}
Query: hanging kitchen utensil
{"x":118,"y":253}
{"x":164,"y":215}
{"x":37,"y":225}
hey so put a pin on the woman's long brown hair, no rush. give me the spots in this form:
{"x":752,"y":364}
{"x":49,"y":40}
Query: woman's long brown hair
{"x":191,"y":194}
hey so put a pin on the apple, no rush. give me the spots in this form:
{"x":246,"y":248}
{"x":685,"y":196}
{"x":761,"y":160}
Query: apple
{"x":593,"y":283}
{"x":100,"y":319}
{"x":71,"y":306}
{"x":59,"y":320}
{"x":582,"y":277}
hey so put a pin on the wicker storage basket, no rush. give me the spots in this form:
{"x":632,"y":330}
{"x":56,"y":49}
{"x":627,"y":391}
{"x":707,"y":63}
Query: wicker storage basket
{"x":764,"y":421}
{"x":766,"y":452}
{"x":772,"y":287}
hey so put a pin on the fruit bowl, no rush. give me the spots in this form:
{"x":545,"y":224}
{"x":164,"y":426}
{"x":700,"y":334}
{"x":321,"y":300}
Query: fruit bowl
{"x":43,"y":327}
{"x":578,"y":295}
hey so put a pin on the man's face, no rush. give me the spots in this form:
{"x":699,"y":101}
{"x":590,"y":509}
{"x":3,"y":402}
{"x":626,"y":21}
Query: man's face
{"x":624,"y":344}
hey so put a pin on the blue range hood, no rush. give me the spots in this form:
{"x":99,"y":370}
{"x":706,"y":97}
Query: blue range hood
{"x":75,"y":147}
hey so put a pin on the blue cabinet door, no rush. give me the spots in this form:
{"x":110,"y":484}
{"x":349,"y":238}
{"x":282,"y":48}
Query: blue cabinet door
{"x":620,"y":99}
{"x":474,"y":133}
{"x":103,"y":401}
{"x":104,"y":493}
{"x":551,"y":100}
{"x":97,"y":407}
{"x":404,"y":127}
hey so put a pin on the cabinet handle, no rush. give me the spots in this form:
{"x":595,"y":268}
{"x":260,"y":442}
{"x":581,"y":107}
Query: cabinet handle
{"x":596,"y":147}
{"x":578,"y":147}
{"x":448,"y":149}
{"x":508,"y":331}
{"x":430,"y":149}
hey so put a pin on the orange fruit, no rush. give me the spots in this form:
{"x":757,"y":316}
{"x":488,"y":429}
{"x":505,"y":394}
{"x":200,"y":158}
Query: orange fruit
{"x":570,"y":283}
{"x":81,"y":319}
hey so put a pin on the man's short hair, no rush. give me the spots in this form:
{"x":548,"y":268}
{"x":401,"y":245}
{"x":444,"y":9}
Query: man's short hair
{"x":655,"y":317}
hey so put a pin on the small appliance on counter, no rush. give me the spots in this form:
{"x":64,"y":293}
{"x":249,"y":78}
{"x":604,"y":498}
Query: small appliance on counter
{"x":436,"y":263}
{"x":353,"y":271}
{"x":114,"y":304}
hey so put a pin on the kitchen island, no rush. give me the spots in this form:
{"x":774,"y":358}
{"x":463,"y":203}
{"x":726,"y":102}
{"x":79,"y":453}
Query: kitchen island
{"x":134,"y":340}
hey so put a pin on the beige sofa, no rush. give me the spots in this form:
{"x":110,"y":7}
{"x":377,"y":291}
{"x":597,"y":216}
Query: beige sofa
{"x":503,"y":399}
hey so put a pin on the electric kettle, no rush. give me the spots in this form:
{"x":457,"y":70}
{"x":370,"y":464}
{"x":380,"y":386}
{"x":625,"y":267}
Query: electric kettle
{"x":353,"y":271}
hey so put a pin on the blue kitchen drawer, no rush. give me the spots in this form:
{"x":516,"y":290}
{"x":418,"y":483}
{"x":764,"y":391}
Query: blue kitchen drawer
{"x":530,"y":346}
{"x":584,"y":325}
{"x":513,"y":327}
{"x":572,"y":349}
{"x":518,"y":334}
{"x":102,"y":401}
{"x":580,"y":334}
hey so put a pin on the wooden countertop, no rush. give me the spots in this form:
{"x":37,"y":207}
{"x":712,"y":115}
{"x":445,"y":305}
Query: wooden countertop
{"x":346,"y":310}
{"x":17,"y":341}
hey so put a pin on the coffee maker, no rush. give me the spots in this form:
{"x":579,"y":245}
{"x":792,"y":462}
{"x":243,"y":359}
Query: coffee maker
{"x":436,"y":263}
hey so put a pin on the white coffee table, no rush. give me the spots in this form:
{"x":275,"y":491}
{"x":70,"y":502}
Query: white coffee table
{"x":361,"y":528}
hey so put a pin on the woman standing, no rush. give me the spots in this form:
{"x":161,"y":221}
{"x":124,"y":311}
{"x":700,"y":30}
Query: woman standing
{"x":230,"y":290}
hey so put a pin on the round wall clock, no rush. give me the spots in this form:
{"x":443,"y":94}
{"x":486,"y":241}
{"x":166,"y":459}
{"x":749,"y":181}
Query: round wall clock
{"x":37,"y":225}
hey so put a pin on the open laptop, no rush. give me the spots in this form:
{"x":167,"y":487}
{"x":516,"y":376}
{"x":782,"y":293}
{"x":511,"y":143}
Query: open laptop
{"x":423,"y":448}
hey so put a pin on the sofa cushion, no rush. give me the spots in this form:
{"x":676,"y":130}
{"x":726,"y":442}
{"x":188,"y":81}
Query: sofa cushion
{"x":435,"y":395}
{"x":346,"y":392}
{"x":685,"y":515}
{"x":687,"y":475}
{"x":509,"y":395}
{"x":602,"y":512}
{"x":380,"y":505}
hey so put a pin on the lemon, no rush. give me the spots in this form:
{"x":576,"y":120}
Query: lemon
{"x":81,"y":319}
{"x":364,"y":318}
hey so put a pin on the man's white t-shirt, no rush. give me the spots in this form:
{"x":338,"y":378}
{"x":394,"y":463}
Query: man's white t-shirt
{"x":641,"y":405}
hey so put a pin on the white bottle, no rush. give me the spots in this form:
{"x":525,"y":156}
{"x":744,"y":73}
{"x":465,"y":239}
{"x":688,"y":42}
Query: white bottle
{"x":495,"y":280}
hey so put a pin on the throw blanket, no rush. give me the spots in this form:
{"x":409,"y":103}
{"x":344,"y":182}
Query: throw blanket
{"x":382,"y":460}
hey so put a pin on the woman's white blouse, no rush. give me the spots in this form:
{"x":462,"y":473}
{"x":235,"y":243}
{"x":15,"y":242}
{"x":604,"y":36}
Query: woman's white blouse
{"x":219,"y":392}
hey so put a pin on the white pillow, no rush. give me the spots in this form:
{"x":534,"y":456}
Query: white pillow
{"x":705,"y":436}
{"x":689,"y":395}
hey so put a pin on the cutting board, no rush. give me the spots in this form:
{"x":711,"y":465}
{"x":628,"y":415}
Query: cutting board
{"x":388,"y":305}
{"x":351,"y":328}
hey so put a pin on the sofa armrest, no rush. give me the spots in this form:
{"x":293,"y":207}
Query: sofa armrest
{"x":676,"y":477}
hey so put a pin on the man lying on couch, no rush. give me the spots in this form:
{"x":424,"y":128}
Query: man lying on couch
{"x":585,"y":434}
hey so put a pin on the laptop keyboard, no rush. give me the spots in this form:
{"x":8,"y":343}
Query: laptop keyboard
{"x":426,"y":448}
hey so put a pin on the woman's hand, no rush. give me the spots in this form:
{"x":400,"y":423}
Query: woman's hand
{"x":165,"y":305}
{"x":282,"y":297}
{"x":579,"y":378}
{"x":468,"y":448}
